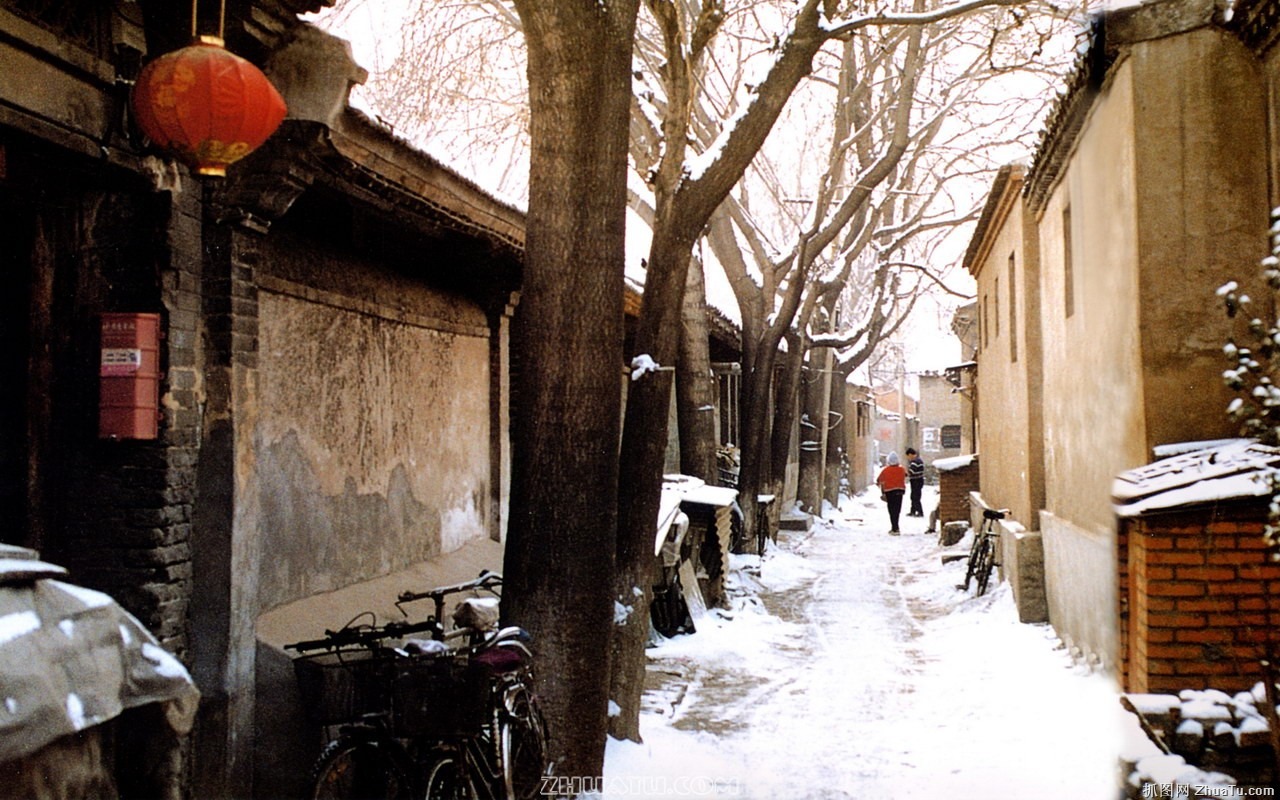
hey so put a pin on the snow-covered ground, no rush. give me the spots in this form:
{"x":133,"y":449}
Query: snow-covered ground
{"x":850,"y":666}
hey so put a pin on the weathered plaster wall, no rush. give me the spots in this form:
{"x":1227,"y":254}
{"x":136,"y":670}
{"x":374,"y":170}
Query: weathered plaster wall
{"x":1271,"y":74}
{"x":859,"y":413}
{"x":1092,"y":378}
{"x":374,"y":441}
{"x":1093,"y":420}
{"x":1201,"y":220}
{"x":1007,"y":363}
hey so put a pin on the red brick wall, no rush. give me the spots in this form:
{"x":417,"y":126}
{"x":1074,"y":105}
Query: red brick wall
{"x":954,"y":487}
{"x":1199,"y":598}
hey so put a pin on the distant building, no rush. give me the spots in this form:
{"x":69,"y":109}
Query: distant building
{"x":941,"y":417}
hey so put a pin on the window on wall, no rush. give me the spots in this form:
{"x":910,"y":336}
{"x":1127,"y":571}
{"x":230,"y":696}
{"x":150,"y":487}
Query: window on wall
{"x":995,"y":309}
{"x":951,"y":437}
{"x":1013,"y":308}
{"x":1068,"y":265}
{"x":983,"y":324}
{"x":728,"y":378}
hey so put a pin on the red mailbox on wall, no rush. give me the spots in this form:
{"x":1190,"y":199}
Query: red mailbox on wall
{"x":129,"y":377}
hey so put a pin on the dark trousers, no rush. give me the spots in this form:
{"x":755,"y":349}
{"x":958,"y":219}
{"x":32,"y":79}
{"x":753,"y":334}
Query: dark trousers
{"x":893,"y":498}
{"x":917,"y":487}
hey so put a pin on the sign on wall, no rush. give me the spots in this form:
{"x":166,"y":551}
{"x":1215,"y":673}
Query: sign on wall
{"x":931,"y":440}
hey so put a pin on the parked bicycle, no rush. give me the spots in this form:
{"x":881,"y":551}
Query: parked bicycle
{"x":449,"y":717}
{"x":984,"y":553}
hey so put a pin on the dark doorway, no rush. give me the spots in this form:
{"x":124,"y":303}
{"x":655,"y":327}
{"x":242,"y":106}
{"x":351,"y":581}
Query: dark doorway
{"x":17,"y":226}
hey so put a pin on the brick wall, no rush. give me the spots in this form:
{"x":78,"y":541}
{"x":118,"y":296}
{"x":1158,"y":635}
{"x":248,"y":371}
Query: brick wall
{"x":954,"y":487}
{"x":1199,"y":599}
{"x":124,"y":525}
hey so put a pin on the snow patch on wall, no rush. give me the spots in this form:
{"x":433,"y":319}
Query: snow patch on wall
{"x":460,"y":525}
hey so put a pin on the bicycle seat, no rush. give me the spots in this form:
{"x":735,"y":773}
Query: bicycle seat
{"x":505,"y":651}
{"x":992,"y":513}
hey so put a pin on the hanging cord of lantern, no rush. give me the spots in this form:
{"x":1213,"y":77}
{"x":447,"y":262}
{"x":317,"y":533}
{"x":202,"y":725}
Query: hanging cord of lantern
{"x":196,"y":36}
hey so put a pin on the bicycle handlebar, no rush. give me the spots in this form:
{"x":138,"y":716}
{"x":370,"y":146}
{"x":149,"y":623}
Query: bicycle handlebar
{"x":364,"y":636}
{"x":487,"y":580}
{"x":368,"y":635}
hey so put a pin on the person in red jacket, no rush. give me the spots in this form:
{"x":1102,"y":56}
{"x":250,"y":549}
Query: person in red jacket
{"x":893,"y":485}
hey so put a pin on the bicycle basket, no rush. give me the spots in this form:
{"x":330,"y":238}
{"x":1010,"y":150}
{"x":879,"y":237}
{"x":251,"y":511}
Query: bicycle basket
{"x":343,"y":685}
{"x":435,"y":696}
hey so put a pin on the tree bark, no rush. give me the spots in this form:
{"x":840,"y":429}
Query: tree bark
{"x":567,"y":338}
{"x":695,"y":385}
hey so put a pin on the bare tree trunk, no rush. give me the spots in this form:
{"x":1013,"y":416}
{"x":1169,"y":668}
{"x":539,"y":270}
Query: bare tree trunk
{"x":695,"y":385}
{"x":755,"y":435}
{"x":567,"y":337}
{"x":816,"y":397}
{"x":644,"y":444}
{"x":786,"y":401}
{"x":837,"y":434}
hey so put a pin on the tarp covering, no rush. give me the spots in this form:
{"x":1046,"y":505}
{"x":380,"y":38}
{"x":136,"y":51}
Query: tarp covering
{"x":72,"y":658}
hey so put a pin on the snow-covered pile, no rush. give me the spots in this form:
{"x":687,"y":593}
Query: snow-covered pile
{"x":1212,"y":737}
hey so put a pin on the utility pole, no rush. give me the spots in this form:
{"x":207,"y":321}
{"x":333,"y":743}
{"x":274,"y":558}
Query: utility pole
{"x":902,"y":403}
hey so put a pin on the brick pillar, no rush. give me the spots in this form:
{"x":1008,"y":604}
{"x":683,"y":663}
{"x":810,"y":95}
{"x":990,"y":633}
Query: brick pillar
{"x":954,"y":487}
{"x":225,"y":536}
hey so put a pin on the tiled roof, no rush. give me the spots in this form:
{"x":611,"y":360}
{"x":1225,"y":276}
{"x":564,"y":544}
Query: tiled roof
{"x":1231,"y":470}
{"x":1067,"y":116}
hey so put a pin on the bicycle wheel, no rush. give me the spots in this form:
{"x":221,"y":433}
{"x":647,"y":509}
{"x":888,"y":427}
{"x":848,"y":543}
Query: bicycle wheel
{"x":445,"y":777}
{"x":523,"y":742}
{"x":986,"y":562}
{"x":358,"y":768}
{"x":975,"y":551}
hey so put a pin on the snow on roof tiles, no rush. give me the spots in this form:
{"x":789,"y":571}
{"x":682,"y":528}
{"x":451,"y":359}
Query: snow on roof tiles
{"x":955,"y":462}
{"x":1220,"y":471}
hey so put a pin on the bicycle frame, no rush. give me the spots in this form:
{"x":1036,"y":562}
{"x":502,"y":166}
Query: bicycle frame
{"x":983,"y":553}
{"x":476,"y":748}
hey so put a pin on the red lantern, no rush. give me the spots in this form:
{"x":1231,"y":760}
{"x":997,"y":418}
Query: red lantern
{"x":208,"y":106}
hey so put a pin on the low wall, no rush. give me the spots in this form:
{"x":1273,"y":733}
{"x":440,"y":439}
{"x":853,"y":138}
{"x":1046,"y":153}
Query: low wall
{"x":1021,"y":562}
{"x":1080,"y":587}
{"x":1023,"y":559}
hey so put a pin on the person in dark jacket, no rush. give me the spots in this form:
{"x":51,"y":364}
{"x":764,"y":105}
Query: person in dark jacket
{"x":892,"y":481}
{"x":915,"y":474}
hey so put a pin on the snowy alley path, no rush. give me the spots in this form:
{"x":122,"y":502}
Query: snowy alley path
{"x":853,"y":668}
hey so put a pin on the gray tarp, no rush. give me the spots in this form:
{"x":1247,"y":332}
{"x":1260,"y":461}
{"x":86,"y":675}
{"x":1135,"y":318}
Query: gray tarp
{"x":71,"y":658}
